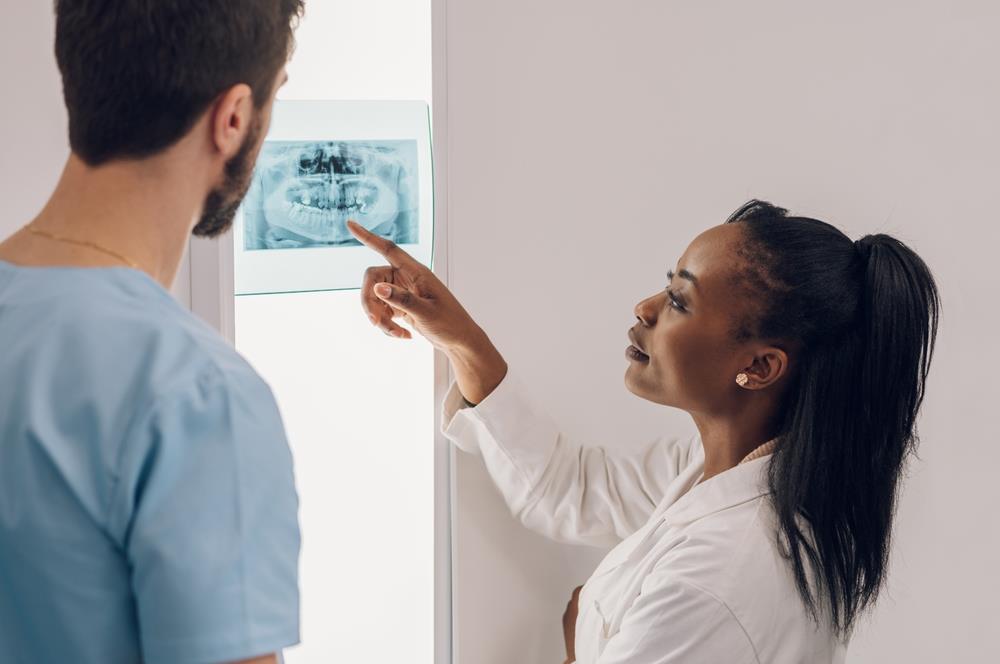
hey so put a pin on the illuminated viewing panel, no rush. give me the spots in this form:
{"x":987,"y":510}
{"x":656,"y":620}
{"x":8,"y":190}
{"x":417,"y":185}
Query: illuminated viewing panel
{"x":359,"y":410}
{"x":358,"y":406}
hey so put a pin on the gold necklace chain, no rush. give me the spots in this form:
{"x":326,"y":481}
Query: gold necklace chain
{"x":83,"y":243}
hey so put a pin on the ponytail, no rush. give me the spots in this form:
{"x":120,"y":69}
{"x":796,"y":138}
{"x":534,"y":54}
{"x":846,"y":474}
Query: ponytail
{"x":866,"y":315}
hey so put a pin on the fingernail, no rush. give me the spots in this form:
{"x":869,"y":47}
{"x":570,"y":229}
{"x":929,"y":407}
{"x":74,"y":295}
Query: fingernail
{"x":383,"y":290}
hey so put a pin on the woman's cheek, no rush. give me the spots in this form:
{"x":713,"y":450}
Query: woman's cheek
{"x":689,"y":365}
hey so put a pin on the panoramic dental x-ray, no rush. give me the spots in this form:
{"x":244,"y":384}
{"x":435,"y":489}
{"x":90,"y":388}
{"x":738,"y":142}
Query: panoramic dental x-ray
{"x":303,"y":192}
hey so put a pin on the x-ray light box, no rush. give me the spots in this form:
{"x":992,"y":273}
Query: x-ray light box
{"x":324,"y":163}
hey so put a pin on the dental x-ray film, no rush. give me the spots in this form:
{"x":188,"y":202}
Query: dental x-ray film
{"x":322,"y":164}
{"x":303,"y":193}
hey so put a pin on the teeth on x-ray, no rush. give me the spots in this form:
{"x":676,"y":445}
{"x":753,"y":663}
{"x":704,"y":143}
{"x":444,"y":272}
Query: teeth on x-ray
{"x":303,"y":193}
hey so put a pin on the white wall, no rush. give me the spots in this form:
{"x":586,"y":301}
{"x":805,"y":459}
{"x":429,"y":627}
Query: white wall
{"x":590,"y":141}
{"x":32,"y":116}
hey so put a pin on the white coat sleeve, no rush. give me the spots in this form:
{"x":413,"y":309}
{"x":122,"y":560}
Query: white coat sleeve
{"x":557,"y":487}
{"x":675,"y":622}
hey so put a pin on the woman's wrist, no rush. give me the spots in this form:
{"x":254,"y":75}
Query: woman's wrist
{"x":478,"y":366}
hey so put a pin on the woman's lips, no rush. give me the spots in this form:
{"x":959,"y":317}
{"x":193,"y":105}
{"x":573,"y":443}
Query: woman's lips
{"x":635,"y":352}
{"x":636,"y":355}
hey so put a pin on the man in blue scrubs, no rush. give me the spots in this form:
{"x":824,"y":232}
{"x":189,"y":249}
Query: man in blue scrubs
{"x":147,"y":505}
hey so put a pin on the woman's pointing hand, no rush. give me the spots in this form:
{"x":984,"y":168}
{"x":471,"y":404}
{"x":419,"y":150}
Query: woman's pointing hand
{"x":407,"y":289}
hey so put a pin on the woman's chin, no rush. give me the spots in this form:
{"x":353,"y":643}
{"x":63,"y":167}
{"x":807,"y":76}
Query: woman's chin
{"x":635,"y":385}
{"x":631,"y":382}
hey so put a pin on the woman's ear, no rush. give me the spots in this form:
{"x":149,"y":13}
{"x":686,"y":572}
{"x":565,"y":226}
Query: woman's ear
{"x":769,"y":365}
{"x":232,"y":115}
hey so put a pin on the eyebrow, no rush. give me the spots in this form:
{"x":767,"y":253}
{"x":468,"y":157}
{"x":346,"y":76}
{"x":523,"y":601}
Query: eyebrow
{"x":683,"y":274}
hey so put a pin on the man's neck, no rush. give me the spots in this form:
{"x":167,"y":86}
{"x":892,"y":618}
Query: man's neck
{"x":142,"y":210}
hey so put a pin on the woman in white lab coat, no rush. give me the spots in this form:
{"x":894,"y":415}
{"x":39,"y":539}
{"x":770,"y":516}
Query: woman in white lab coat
{"x":802,"y":358}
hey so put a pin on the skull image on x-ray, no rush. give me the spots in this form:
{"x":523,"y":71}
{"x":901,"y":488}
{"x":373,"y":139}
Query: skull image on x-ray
{"x":303,"y":193}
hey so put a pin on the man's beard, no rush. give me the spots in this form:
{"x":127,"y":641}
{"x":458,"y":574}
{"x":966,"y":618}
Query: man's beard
{"x":222,"y":202}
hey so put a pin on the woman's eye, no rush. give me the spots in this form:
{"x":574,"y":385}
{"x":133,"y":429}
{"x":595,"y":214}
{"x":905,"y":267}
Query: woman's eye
{"x":674,"y":302}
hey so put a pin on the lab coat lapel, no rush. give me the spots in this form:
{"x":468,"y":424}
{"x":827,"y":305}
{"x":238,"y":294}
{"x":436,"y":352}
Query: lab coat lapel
{"x":627,"y":547}
{"x":735,"y":486}
{"x":686,"y":501}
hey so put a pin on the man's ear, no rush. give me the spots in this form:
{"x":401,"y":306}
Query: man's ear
{"x":232,"y":114}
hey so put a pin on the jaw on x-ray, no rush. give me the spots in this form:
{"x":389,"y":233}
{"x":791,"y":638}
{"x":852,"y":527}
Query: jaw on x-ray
{"x":304,"y":192}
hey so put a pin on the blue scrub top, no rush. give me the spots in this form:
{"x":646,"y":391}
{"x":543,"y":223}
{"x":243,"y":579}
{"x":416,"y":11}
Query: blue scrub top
{"x":147,"y":505}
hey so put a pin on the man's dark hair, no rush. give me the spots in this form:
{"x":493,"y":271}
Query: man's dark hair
{"x":138,"y":73}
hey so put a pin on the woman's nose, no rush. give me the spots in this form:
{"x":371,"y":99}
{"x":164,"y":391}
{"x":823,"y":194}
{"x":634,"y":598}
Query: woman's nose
{"x":646,"y":310}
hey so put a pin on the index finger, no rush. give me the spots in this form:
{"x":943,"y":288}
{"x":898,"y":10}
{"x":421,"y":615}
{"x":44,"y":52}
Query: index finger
{"x":387,"y":248}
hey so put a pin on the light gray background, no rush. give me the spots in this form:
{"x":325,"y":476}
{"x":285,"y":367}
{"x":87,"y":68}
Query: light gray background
{"x":587,"y":144}
{"x":591,"y":141}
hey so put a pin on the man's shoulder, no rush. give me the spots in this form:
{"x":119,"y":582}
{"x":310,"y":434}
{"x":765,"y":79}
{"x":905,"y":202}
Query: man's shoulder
{"x":149,"y":323}
{"x":117,"y":332}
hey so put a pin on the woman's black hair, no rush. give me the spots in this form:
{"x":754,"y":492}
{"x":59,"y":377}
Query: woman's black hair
{"x":862,"y":317}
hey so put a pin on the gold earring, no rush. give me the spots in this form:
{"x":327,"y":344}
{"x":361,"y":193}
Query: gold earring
{"x":742,"y":379}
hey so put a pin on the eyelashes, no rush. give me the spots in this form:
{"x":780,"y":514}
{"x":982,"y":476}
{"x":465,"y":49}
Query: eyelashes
{"x":674,"y":302}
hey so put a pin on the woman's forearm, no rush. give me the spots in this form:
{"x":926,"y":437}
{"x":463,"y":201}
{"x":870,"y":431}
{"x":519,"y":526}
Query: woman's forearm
{"x":478,"y":365}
